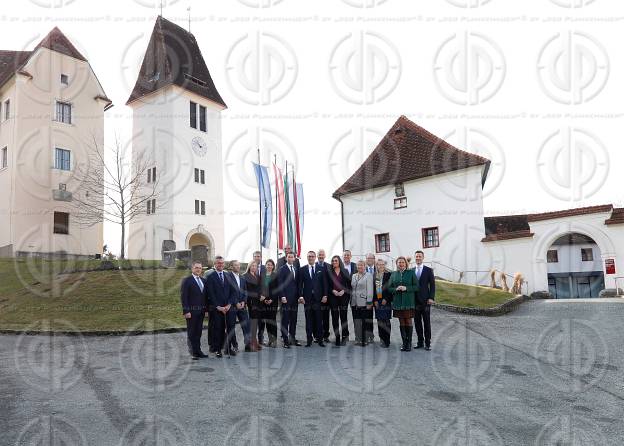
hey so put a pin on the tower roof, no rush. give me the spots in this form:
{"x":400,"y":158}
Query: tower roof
{"x":408,"y":152}
{"x":173,"y":57}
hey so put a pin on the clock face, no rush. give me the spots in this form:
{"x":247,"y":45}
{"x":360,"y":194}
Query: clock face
{"x":199,"y":146}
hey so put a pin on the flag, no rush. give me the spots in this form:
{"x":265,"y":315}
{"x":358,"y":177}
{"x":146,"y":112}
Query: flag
{"x":266,"y":209}
{"x":281,"y":211}
{"x":299,"y":191}
{"x":290,"y":212}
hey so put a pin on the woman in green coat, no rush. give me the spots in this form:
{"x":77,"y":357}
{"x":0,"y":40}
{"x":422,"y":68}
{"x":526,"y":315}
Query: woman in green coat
{"x":404,"y":286}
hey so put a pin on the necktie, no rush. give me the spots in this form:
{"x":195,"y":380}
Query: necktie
{"x":199,"y":283}
{"x":292,"y":270}
{"x":221,"y":276}
{"x":419,"y":271}
{"x":311,"y":272}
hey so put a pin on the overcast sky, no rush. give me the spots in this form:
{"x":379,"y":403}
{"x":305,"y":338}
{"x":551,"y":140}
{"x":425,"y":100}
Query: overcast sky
{"x":533,"y":85}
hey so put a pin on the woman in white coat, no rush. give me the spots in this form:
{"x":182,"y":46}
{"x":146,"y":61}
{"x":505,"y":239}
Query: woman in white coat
{"x":362,"y":291}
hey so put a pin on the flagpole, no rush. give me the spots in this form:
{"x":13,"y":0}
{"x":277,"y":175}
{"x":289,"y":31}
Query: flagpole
{"x":277,"y":223}
{"x":260,"y":212}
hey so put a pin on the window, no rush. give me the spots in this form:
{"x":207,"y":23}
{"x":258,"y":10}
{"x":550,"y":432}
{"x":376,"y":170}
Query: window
{"x":64,"y":79}
{"x":61,"y":223}
{"x":382,"y":242}
{"x":200,"y":176}
{"x":552,"y":256}
{"x":63,"y":186}
{"x":200,"y":207}
{"x":64,"y":112}
{"x":431,"y":237}
{"x":399,"y":190}
{"x":587,"y":255}
{"x":151,"y":175}
{"x":194,"y":80}
{"x":400,"y":203}
{"x":202,"y":118}
{"x":62,"y":159}
{"x":4,"y":158}
{"x":151,"y":206}
{"x":7,"y":109}
{"x":193,"y":115}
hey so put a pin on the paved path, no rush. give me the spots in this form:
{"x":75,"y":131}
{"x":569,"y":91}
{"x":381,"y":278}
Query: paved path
{"x":550,"y":373}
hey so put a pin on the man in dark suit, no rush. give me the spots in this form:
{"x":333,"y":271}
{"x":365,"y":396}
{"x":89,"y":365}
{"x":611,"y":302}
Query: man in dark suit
{"x":288,"y":279}
{"x":349,"y":266}
{"x":282,"y":260}
{"x":257,"y":258}
{"x":194,"y":300}
{"x":368,"y":321}
{"x":312,"y":291}
{"x":223,"y":296}
{"x":239,"y":311}
{"x":424,"y":298}
{"x":325,"y":309}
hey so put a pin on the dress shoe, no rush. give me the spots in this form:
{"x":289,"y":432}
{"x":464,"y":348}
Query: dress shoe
{"x":428,"y":347}
{"x":297,"y":343}
{"x":418,"y":346}
{"x":321,"y":344}
{"x":248,"y":349}
{"x":384,"y":345}
{"x":308,"y":344}
{"x":202,"y":355}
{"x":194,"y":357}
{"x":232,"y":352}
{"x":344,"y":341}
{"x":272,"y":344}
{"x":219,"y":355}
{"x":326,"y":340}
{"x":286,"y":345}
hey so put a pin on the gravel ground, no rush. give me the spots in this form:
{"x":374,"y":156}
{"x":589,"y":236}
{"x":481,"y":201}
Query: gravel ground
{"x":549,"y":373}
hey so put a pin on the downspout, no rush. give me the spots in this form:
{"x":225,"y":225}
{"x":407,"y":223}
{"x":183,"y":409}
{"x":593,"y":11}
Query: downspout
{"x":337,"y":197}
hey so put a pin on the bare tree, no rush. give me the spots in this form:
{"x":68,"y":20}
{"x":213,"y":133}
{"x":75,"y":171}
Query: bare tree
{"x":116,"y":192}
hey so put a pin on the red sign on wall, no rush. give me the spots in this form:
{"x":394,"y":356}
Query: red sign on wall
{"x":610,"y":266}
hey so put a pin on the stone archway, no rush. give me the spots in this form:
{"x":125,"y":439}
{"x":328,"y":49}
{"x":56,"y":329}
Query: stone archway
{"x":201,"y":237}
{"x":555,"y":231}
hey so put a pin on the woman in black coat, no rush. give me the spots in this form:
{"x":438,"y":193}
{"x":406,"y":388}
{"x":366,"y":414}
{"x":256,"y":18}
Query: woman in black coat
{"x":339,"y":295}
{"x":252,"y":289}
{"x":269,"y":300}
{"x":382,"y":301}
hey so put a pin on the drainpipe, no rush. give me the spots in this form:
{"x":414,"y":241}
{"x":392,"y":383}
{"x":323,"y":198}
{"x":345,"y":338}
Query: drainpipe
{"x":337,"y":197}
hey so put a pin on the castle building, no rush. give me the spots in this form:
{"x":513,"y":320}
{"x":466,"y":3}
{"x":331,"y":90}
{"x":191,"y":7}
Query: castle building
{"x":51,"y":117}
{"x":177,"y":130}
{"x":417,"y":192}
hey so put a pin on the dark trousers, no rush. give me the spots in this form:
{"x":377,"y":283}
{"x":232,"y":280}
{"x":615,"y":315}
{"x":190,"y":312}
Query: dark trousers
{"x":359,"y":323}
{"x":314,"y":321}
{"x":194,"y":327}
{"x":384,"y":328}
{"x":222,"y":330}
{"x":340,"y":322}
{"x":422,"y":319}
{"x":368,"y":325}
{"x":325,"y":311}
{"x":242,"y":316}
{"x":271,"y":328}
{"x":289,"y":321}
{"x":261,"y":326}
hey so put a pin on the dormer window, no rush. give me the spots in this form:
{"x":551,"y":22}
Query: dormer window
{"x":193,"y":79}
{"x":399,"y":190}
{"x":64,"y":79}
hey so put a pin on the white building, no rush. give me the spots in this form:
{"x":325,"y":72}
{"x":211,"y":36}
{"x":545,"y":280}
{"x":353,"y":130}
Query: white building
{"x":177,"y":127}
{"x":52,"y":113}
{"x":417,"y":192}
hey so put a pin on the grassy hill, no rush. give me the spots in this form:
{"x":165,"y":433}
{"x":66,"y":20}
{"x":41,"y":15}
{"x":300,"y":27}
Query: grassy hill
{"x":38,"y":294}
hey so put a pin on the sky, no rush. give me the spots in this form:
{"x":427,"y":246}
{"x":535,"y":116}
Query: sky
{"x":534,"y":86}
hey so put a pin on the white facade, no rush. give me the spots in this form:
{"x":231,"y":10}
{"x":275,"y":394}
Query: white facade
{"x":462,"y":254}
{"x":31,"y":133}
{"x":162,"y":134}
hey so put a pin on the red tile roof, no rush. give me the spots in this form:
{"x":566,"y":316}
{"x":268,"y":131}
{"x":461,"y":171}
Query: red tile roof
{"x":13,"y":61}
{"x":408,"y":152}
{"x":505,"y":227}
{"x":173,"y":57}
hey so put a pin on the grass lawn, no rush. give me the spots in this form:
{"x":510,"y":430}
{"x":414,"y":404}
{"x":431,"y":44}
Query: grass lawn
{"x":33,"y":294}
{"x":469,"y":295}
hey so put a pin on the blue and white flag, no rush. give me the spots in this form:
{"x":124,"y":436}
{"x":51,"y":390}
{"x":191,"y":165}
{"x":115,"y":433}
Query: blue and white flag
{"x":266,"y":207}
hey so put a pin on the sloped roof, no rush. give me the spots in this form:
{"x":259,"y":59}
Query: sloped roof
{"x":57,"y":41}
{"x":408,"y":152}
{"x":505,"y":227}
{"x":173,"y":57}
{"x":12,"y":62}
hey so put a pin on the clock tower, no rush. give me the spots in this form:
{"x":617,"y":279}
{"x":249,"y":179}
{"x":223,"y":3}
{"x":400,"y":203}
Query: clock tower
{"x":177,"y":136}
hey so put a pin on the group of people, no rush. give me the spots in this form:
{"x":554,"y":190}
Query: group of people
{"x":326,"y":291}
